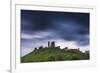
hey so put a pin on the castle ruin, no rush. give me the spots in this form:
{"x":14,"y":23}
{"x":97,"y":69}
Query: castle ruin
{"x":52,"y":44}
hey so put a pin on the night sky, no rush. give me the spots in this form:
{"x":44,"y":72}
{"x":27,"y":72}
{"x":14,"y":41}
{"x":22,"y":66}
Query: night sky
{"x":67,"y":29}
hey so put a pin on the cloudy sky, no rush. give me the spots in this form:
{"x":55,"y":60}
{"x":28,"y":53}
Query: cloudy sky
{"x":67,"y":29}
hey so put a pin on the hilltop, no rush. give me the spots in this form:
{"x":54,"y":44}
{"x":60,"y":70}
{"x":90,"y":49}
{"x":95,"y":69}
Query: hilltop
{"x":53,"y":53}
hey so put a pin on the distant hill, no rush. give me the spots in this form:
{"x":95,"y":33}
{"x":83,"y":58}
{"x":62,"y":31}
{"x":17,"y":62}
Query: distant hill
{"x":54,"y":54}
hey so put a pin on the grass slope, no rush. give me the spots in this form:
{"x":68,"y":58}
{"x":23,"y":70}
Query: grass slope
{"x":53,"y":54}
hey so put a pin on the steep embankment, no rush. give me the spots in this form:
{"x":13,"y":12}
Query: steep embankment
{"x":53,"y":54}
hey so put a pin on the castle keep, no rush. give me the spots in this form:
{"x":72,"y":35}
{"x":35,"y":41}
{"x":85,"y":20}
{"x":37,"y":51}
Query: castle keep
{"x":52,"y":44}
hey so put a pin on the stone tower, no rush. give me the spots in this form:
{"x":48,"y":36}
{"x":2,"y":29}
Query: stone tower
{"x":53,"y":44}
{"x":48,"y":43}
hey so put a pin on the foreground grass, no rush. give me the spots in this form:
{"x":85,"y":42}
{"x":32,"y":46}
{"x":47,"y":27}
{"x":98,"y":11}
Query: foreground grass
{"x":53,"y":54}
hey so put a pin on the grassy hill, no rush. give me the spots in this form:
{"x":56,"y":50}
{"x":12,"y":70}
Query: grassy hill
{"x":54,"y":54}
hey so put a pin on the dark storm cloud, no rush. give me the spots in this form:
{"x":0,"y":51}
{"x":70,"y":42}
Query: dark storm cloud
{"x":69,"y":26}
